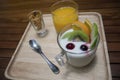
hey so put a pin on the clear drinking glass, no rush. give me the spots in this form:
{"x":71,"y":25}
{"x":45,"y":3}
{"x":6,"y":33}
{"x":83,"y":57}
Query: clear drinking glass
{"x":36,"y":19}
{"x":64,"y":12}
{"x":76,"y":59}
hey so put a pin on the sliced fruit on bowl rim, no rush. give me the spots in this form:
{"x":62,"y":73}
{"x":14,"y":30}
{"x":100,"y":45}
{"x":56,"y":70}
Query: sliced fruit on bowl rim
{"x":82,"y":26}
{"x":88,"y":24}
{"x":94,"y":36}
{"x":76,"y":33}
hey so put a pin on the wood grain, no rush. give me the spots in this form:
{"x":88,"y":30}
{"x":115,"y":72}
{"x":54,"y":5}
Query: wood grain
{"x":13,"y":22}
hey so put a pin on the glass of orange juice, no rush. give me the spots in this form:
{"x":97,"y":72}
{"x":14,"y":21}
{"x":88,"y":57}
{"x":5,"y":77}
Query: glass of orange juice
{"x":64,"y":12}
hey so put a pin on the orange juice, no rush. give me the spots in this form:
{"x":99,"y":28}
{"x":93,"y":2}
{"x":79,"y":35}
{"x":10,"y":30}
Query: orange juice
{"x":64,"y":16}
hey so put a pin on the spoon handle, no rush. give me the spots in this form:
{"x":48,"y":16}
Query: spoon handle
{"x":52,"y":66}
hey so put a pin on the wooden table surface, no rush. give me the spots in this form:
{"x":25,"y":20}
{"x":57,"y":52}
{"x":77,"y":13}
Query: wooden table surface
{"x":13,"y":22}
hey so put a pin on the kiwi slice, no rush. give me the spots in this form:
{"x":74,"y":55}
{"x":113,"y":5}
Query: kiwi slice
{"x":94,"y":32}
{"x":76,"y":33}
{"x":94,"y":42}
{"x":94,"y":35}
{"x":67,"y":35}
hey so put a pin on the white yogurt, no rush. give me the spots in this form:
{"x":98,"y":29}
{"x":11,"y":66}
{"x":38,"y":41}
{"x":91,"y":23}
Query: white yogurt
{"x":64,"y":42}
{"x":76,"y":57}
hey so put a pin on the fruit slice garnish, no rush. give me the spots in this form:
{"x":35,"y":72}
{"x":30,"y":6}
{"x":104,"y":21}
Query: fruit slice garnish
{"x":88,"y":24}
{"x":83,"y":27}
{"x":67,"y":35}
{"x":94,"y":42}
{"x":75,"y":27}
{"x":82,"y":35}
{"x":94,"y":35}
{"x":94,"y":32}
{"x":76,"y":33}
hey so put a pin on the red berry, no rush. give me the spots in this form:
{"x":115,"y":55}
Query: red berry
{"x":70,"y":46}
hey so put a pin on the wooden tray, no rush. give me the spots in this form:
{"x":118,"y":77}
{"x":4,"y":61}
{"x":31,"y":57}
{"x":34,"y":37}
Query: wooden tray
{"x":25,"y":64}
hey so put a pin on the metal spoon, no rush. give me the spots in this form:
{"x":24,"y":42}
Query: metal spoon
{"x":36,"y":47}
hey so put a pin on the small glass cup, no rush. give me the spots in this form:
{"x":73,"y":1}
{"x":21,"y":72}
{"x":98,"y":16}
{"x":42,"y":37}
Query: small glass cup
{"x":76,"y":59}
{"x":36,"y":19}
{"x":64,"y":12}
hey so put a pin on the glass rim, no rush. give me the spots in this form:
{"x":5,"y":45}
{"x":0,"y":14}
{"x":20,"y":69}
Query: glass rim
{"x":63,"y":1}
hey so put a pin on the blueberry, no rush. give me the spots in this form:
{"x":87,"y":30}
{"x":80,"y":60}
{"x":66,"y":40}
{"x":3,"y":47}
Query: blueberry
{"x":84,"y":47}
{"x":70,"y":46}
